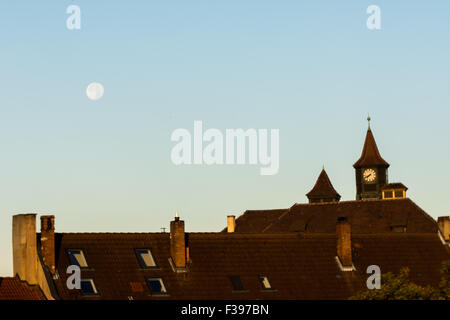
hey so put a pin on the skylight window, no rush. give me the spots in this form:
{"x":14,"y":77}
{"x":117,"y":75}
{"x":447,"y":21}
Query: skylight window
{"x":237,"y":283}
{"x":145,"y":258}
{"x":77,"y":258}
{"x":156,"y":286}
{"x":88,"y":287}
{"x":265,"y":282}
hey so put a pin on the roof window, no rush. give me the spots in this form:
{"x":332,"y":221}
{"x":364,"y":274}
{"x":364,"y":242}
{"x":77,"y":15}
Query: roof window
{"x":156,"y":286}
{"x":145,"y":258}
{"x":265,"y":282}
{"x":237,"y":283}
{"x":88,"y":287}
{"x":77,"y":258}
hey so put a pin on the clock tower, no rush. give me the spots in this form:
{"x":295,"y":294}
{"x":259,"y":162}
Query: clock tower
{"x":371,"y":170}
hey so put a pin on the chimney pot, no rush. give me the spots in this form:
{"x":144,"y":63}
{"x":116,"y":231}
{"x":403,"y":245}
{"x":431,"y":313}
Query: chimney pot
{"x":231,"y":224}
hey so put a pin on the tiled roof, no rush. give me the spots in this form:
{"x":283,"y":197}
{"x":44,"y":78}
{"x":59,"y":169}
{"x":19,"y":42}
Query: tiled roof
{"x":370,"y":155}
{"x":366,"y":216}
{"x":12,"y":288}
{"x":298,"y":266}
{"x":395,"y":185}
{"x":254,"y":221}
{"x":323,"y":188}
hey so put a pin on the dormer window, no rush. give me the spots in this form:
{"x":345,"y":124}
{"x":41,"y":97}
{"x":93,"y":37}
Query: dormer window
{"x":145,"y":258}
{"x":394,"y":191}
{"x":399,"y":194}
{"x":77,"y":258}
{"x":388,"y":194}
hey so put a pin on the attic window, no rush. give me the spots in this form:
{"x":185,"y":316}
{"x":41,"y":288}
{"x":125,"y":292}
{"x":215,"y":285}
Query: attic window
{"x":265,"y":282}
{"x":237,"y":283}
{"x":399,"y":193}
{"x":156,"y":286}
{"x":88,"y":287}
{"x":388,"y":194}
{"x":77,"y":258}
{"x":145,"y":258}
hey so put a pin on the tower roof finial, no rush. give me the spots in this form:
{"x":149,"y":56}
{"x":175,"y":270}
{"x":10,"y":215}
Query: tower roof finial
{"x":368,"y":119}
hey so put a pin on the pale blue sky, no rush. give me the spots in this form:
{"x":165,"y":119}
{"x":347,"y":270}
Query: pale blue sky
{"x":313,"y":71}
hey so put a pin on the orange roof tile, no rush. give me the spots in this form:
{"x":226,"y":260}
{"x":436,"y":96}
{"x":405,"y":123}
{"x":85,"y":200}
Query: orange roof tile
{"x":12,"y":288}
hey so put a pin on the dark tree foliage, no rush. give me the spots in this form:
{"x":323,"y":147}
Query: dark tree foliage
{"x":401,"y":288}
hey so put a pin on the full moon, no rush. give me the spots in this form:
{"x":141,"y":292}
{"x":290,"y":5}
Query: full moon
{"x":95,"y":91}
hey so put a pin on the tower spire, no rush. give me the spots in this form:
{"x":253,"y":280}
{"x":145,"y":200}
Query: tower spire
{"x":370,"y":155}
{"x":323,"y":190}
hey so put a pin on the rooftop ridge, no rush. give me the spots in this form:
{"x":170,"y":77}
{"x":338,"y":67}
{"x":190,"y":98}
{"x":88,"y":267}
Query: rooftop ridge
{"x":293,"y":235}
{"x":349,"y":201}
{"x":253,"y":211}
{"x":256,"y":211}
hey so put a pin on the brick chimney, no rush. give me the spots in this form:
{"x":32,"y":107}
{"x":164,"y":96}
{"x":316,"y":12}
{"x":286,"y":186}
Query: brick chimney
{"x":177,"y":242}
{"x":444,"y":227}
{"x":25,"y":257}
{"x":344,"y":242}
{"x":231,"y":224}
{"x":48,"y":242}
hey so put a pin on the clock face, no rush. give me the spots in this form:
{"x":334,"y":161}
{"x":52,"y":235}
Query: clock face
{"x":369,"y":175}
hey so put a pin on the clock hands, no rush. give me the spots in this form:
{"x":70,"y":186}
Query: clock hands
{"x":369,"y":175}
